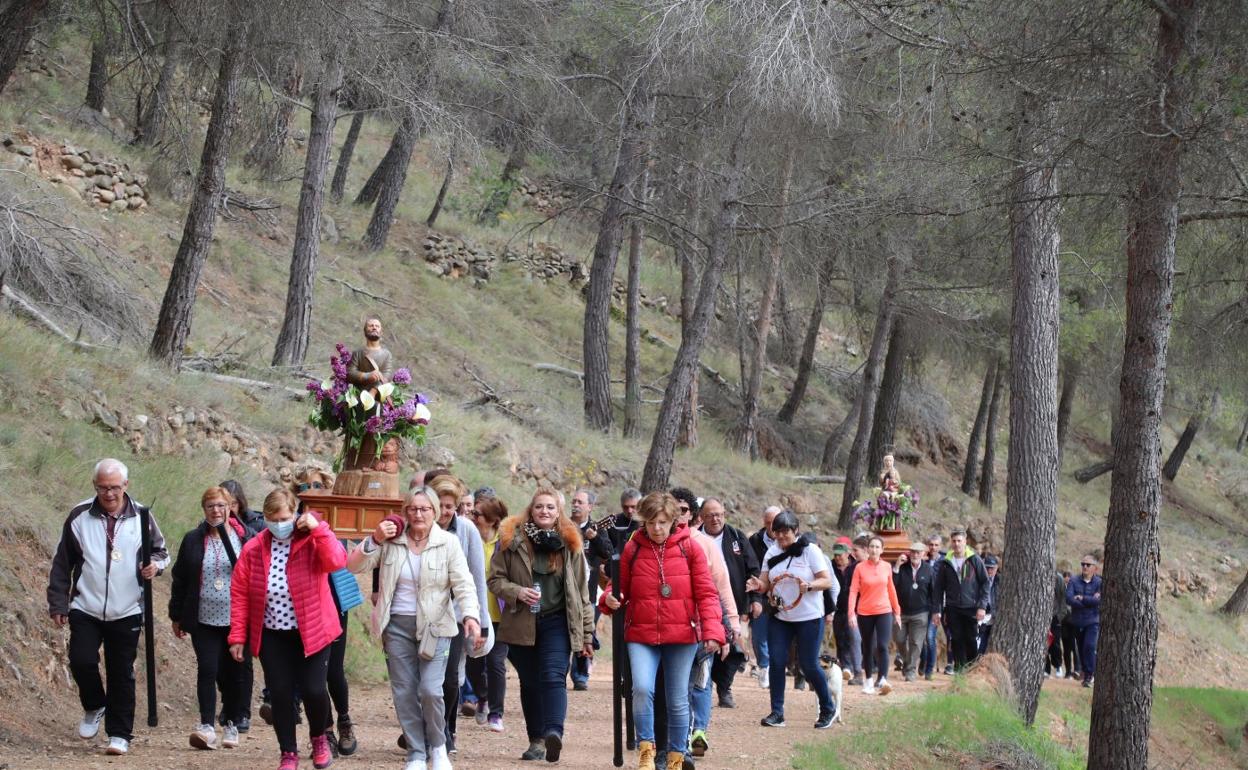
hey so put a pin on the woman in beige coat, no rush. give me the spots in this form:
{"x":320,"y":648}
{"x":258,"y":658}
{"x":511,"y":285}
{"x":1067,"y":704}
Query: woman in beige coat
{"x":423,"y":570}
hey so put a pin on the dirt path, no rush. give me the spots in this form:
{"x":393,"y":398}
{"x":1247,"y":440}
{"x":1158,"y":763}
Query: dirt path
{"x":737,"y":739}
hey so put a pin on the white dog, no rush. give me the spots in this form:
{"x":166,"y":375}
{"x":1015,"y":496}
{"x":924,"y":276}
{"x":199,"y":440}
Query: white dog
{"x":836,"y":683}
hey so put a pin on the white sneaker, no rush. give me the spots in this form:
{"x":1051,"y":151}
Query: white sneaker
{"x":229,"y":736}
{"x":204,"y":737}
{"x":438,"y":760}
{"x":416,"y":764}
{"x":868,"y":688}
{"x":1060,"y":672}
{"x":117,"y":746}
{"x":884,"y":687}
{"x":764,"y":680}
{"x":89,"y":727}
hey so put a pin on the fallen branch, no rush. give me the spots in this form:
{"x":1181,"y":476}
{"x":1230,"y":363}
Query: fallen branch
{"x":490,"y":396}
{"x":28,"y":309}
{"x":358,"y":290}
{"x":820,"y":479}
{"x":1084,"y":475}
{"x":560,"y":370}
{"x":249,"y":383}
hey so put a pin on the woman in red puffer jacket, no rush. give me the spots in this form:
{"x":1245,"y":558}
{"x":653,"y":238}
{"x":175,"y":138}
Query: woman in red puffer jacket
{"x":670,"y":606}
{"x":280,"y":605}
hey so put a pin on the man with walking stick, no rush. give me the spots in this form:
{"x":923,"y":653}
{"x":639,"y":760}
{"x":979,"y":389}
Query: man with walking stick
{"x":96,"y":586}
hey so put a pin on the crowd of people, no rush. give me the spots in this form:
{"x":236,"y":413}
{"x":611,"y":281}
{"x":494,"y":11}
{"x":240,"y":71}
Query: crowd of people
{"x":459,"y":586}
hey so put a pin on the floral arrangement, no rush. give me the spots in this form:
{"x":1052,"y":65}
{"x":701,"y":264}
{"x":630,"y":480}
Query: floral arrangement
{"x":343,"y":408}
{"x":885,"y":511}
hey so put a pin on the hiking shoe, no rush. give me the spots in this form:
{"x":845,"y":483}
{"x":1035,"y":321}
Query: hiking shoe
{"x":928,"y":676}
{"x":580,"y":686}
{"x":846,"y":675}
{"x":868,"y":688}
{"x":799,"y":682}
{"x":333,"y":741}
{"x":89,"y":727}
{"x":1087,"y":681}
{"x":764,"y":680}
{"x":243,"y":724}
{"x":554,"y":745}
{"x":774,"y":719}
{"x":909,"y":677}
{"x":204,"y":737}
{"x":321,"y":756}
{"x":855,"y":681}
{"x":698,"y":743}
{"x":290,"y":761}
{"x":347,"y":743}
{"x":495,"y":723}
{"x":884,"y":687}
{"x":117,"y":746}
{"x":825,"y":719}
{"x":467,"y":709}
{"x":482,"y":717}
{"x":416,"y":764}
{"x":229,"y":736}
{"x":726,"y":701}
{"x":266,"y":712}
{"x":450,"y":744}
{"x":949,"y":670}
{"x":536,"y":751}
{"x":402,"y":741}
{"x":438,"y":759}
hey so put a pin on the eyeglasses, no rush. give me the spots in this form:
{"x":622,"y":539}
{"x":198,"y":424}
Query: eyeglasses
{"x":216,"y":507}
{"x":304,"y":487}
{"x":1087,"y":564}
{"x":425,"y":509}
{"x":114,"y":490}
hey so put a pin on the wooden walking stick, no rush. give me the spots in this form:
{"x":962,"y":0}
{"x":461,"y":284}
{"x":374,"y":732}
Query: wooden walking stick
{"x":617,"y":678}
{"x":149,"y":622}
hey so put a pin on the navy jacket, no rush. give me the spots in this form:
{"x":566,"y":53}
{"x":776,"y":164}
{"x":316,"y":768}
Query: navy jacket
{"x":1084,"y":600}
{"x":914,"y":600}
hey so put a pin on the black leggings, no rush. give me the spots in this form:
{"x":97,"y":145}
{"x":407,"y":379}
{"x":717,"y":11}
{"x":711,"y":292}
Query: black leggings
{"x":488,"y":677}
{"x":1070,"y":649}
{"x":337,"y":678}
{"x":285,"y":669}
{"x":216,"y":668}
{"x":450,"y":684}
{"x":877,"y":633}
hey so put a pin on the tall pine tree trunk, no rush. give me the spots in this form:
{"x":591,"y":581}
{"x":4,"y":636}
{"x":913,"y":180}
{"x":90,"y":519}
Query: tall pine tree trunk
{"x":343,"y":167}
{"x":1025,"y":613}
{"x":658,"y":466}
{"x":17,"y":26}
{"x":389,"y":162}
{"x":1066,"y":402}
{"x":1238,"y":603}
{"x":97,"y":74}
{"x":393,"y":178}
{"x":969,"y":471}
{"x":268,"y":153}
{"x":156,"y":112}
{"x":786,"y":324}
{"x":688,"y":297}
{"x":594,"y":342}
{"x":747,"y":427}
{"x":173,"y":325}
{"x":632,"y":333}
{"x":832,"y":447}
{"x":987,"y":471}
{"x":292,"y":341}
{"x":447,"y":178}
{"x":1243,"y":436}
{"x":1194,"y":423}
{"x":884,"y":424}
{"x":501,"y":195}
{"x":857,"y":463}
{"x":1121,"y":712}
{"x":806,"y":360}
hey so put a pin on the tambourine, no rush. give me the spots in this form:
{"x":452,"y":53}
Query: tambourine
{"x":786,"y":592}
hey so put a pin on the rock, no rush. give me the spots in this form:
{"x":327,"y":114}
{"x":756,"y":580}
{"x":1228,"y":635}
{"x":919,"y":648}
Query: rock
{"x":138,"y":422}
{"x":222,"y":464}
{"x":329,"y":229}
{"x":119,"y":205}
{"x":175,"y":421}
{"x":72,"y":161}
{"x":77,"y":172}
{"x":103,"y":181}
{"x":105,"y":417}
{"x":23,"y":149}
{"x":435,"y":456}
{"x":136,"y":202}
{"x":133,"y":190}
{"x":88,"y":169}
{"x":106,"y":196}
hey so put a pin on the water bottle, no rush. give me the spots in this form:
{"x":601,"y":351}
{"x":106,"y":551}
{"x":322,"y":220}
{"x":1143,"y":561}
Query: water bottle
{"x":537,"y":606}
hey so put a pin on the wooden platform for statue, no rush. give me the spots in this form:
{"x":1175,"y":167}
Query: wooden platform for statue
{"x":896,"y":542}
{"x":352,"y":518}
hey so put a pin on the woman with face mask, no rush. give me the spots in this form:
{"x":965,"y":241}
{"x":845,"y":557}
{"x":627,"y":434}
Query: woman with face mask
{"x":199,"y":605}
{"x":424,"y":577}
{"x":281,"y":607}
{"x":538,"y":572}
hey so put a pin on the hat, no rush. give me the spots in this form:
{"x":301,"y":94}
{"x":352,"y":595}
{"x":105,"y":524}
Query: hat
{"x":917,"y":546}
{"x":842,"y":540}
{"x":990,"y":561}
{"x":840,"y":548}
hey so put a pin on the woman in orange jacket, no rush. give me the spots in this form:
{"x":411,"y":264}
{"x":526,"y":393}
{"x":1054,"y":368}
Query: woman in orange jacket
{"x":872,"y":607}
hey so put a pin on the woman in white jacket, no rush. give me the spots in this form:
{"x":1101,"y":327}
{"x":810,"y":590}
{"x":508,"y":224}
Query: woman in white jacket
{"x":423,"y":570}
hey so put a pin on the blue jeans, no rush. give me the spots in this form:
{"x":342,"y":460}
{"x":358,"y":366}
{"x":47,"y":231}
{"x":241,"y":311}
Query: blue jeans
{"x":677,"y":660}
{"x":758,"y":639}
{"x":848,"y":644}
{"x":809,"y":635}
{"x":700,"y":697}
{"x":1087,"y":637}
{"x":542,"y":669}
{"x":927,"y":659}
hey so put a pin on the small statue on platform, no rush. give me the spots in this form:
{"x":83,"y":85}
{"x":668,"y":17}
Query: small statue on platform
{"x":890,"y":477}
{"x":370,"y":365}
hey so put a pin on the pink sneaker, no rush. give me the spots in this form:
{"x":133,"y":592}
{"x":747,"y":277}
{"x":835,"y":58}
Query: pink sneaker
{"x":290,"y":761}
{"x":321,"y":758}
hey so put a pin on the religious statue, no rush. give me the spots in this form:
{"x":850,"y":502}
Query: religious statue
{"x":371,"y":365}
{"x":890,"y":477}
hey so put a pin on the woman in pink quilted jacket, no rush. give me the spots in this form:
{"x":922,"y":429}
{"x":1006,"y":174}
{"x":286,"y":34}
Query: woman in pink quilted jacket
{"x":280,"y":605}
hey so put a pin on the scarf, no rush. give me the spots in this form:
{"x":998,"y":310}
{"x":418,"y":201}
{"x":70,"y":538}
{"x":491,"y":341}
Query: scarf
{"x":792,"y":552}
{"x":543,"y":540}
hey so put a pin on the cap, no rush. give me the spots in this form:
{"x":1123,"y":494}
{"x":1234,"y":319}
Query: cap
{"x":990,"y":561}
{"x":840,"y":548}
{"x":842,"y":540}
{"x":917,"y":546}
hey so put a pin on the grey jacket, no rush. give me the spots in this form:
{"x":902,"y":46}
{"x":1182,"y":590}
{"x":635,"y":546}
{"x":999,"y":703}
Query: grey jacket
{"x":84,"y":577}
{"x":474,"y":551}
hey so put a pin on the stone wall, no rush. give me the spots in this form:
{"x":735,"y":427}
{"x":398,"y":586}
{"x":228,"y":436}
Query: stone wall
{"x":105,"y":182}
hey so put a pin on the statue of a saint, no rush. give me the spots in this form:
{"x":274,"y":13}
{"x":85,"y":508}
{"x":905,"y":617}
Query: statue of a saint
{"x":890,"y":478}
{"x":372,"y":364}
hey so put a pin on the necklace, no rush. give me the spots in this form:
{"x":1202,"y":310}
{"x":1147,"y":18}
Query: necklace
{"x":113,"y":551}
{"x":218,"y":549}
{"x":660,"y":554}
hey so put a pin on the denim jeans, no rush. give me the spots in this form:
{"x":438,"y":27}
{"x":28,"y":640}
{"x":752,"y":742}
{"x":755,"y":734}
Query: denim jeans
{"x":700,"y":697}
{"x":758,"y":639}
{"x":809,"y":635}
{"x":542,"y":669}
{"x":928,"y":657}
{"x":677,"y":661}
{"x":848,"y":644}
{"x":1087,"y":637}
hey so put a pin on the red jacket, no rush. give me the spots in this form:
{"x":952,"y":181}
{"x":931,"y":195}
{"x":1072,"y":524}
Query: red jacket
{"x":312,"y":556}
{"x":693,"y":612}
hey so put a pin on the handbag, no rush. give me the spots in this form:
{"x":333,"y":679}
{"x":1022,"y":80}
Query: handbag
{"x":346,"y":590}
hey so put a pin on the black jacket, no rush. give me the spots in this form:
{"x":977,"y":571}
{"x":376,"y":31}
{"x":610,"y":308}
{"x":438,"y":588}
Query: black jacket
{"x":742,"y":564}
{"x":253,"y":522}
{"x":760,"y":547}
{"x":914,"y":600}
{"x":843,"y":578}
{"x":597,"y":551}
{"x":620,"y":530}
{"x":186,"y":572}
{"x":966,"y":590}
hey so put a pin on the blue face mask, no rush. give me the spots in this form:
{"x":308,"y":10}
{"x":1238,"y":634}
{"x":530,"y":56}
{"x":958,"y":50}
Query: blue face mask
{"x":282,"y":530}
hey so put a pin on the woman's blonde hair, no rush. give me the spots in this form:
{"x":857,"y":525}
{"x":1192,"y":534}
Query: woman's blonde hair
{"x":446,"y":485}
{"x":216,"y":493}
{"x":656,"y":504}
{"x":278,"y":499}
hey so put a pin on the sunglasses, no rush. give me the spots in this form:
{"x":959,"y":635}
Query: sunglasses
{"x":1087,"y":564}
{"x":683,"y":508}
{"x":304,"y":487}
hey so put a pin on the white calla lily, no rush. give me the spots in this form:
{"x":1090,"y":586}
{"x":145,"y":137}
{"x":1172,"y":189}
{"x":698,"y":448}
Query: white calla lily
{"x":422,"y":414}
{"x":384,"y":390}
{"x":366,"y":400}
{"x":327,"y":385}
{"x":350,"y":398}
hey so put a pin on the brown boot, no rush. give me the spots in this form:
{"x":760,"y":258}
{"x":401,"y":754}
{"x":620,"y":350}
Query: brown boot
{"x":675,"y":760}
{"x":645,"y":755}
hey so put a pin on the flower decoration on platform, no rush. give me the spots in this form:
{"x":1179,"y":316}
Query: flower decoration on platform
{"x":888,"y":511}
{"x":393,"y":412}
